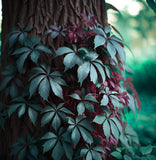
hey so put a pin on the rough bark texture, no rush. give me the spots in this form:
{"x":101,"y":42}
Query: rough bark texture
{"x":40,"y":14}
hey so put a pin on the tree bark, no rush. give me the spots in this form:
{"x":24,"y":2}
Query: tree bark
{"x":40,"y":14}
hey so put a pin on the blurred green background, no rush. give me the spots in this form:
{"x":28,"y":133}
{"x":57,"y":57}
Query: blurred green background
{"x":137,"y":24}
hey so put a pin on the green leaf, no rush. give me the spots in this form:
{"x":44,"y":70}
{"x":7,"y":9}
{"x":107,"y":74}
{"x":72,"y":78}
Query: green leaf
{"x":83,"y":152}
{"x":89,"y":106}
{"x":146,"y":150}
{"x":63,"y":50}
{"x":47,"y":118}
{"x":105,"y":100}
{"x":126,"y":157}
{"x":56,"y":122}
{"x":71,"y":60}
{"x":99,"y":119}
{"x":80,"y":108}
{"x":48,"y":135}
{"x":99,"y":31}
{"x":32,"y":115}
{"x":48,"y":145}
{"x":96,"y":155}
{"x":34,"y":84}
{"x":22,"y":154}
{"x":93,"y":75}
{"x":75,"y":96}
{"x":86,"y":135}
{"x":56,"y":88}
{"x":117,"y":155}
{"x":114,"y":130}
{"x":75,"y":136}
{"x":99,"y":149}
{"x":5,"y":82}
{"x":35,"y":40}
{"x":21,"y":60}
{"x":111,"y":49}
{"x":68,"y":150}
{"x":58,"y":151}
{"x":22,"y":38}
{"x":13,"y":107}
{"x":116,"y":121}
{"x":21,"y":110}
{"x":21,"y":50}
{"x":99,"y":41}
{"x":83,"y":72}
{"x":101,"y":71}
{"x":120,"y":50}
{"x":44,"y":88}
{"x":43,"y":48}
{"x":106,"y":129}
{"x":89,"y":156}
{"x":34,"y":56}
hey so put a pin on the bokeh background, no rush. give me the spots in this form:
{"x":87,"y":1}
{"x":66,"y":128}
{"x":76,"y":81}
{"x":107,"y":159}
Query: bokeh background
{"x":137,"y":24}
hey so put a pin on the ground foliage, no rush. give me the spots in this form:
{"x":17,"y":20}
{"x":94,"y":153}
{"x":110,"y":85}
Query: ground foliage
{"x":79,"y":104}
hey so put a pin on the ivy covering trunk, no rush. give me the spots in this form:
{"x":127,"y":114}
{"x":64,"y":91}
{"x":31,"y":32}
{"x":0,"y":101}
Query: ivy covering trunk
{"x":63,"y":88}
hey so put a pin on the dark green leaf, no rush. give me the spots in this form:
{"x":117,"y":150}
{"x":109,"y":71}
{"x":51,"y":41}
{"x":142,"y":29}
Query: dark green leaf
{"x":93,"y":75}
{"x":22,"y":38}
{"x":83,"y":152}
{"x":99,"y":119}
{"x":47,"y":118}
{"x":89,"y":156}
{"x":111,"y":49}
{"x":117,"y":155}
{"x":106,"y":129}
{"x":34,"y":84}
{"x":146,"y":150}
{"x":43,"y":48}
{"x":96,"y":155}
{"x":63,"y":50}
{"x":22,"y":154}
{"x":99,"y":41}
{"x":68,"y":150}
{"x":105,"y":100}
{"x":35,"y":56}
{"x":101,"y":71}
{"x":83,"y":72}
{"x":114,"y":130}
{"x":99,"y":149}
{"x":116,"y":121}
{"x":58,"y":151}
{"x":13,"y":107}
{"x":21,"y":50}
{"x":44,"y":88}
{"x":71,"y":60}
{"x":126,"y":157}
{"x":75,"y":96}
{"x":32,"y":115}
{"x":21,"y":110}
{"x":89,"y":106}
{"x":21,"y":60}
{"x":33,"y":150}
{"x":86,"y":135}
{"x":56,"y":88}
{"x":48,"y":145}
{"x":48,"y":135}
{"x":80,"y":108}
{"x":75,"y":136}
{"x":120,"y":50}
{"x":56,"y":122}
{"x":99,"y":31}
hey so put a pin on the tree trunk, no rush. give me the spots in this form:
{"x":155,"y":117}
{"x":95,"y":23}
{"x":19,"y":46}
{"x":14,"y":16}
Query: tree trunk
{"x":40,"y":14}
